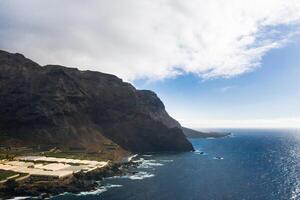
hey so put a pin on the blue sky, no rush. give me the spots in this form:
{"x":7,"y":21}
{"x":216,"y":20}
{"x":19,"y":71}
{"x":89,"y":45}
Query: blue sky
{"x":214,"y":63}
{"x":268,"y":93}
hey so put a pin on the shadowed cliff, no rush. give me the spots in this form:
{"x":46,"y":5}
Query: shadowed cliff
{"x":60,"y":106}
{"x":191,"y":133}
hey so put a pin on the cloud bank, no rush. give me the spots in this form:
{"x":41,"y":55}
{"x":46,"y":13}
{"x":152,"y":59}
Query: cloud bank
{"x":153,"y":39}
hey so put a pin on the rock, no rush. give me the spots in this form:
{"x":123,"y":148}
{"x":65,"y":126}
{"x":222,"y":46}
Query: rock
{"x":68,"y":108}
{"x":190,"y":133}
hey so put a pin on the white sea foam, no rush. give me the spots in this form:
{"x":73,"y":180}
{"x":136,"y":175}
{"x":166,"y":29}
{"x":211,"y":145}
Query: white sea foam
{"x":96,"y":191}
{"x":145,"y":163}
{"x":131,"y":157}
{"x":99,"y":190}
{"x":20,"y":198}
{"x":211,"y":138}
{"x":146,"y":155}
{"x":142,"y":164}
{"x":218,"y":158}
{"x":152,"y":163}
{"x":137,"y":176}
{"x":140,"y":176}
{"x":166,"y":161}
{"x":93,"y":192}
{"x":114,"y":177}
{"x":199,"y":152}
{"x":138,"y":160}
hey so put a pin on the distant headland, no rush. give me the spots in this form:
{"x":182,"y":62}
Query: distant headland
{"x":191,"y":133}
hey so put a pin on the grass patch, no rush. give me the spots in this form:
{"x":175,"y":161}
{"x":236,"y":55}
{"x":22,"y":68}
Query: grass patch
{"x":6,"y":174}
{"x":75,"y":155}
{"x":109,"y":152}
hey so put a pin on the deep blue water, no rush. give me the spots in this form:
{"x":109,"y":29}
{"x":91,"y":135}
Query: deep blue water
{"x":255,"y":165}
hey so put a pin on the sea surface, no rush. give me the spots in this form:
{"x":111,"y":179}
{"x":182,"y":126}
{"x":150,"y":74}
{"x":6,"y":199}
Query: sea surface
{"x":249,"y":165}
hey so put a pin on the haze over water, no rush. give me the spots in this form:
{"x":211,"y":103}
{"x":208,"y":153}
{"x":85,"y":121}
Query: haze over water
{"x":250,"y":164}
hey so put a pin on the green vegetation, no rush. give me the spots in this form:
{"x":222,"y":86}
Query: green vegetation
{"x":6,"y":174}
{"x":109,"y":152}
{"x":77,"y":155}
{"x":10,"y":152}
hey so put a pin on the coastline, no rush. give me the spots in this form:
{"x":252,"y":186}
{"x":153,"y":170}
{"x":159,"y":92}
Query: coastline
{"x":76,"y":184}
{"x":80,"y":182}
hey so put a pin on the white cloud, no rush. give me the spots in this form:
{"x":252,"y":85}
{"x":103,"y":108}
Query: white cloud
{"x":149,"y":39}
{"x":226,"y":88}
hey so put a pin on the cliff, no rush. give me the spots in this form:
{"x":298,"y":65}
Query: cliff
{"x":65,"y":107}
{"x":191,"y":133}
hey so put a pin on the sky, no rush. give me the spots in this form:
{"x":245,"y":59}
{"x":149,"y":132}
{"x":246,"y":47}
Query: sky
{"x":217,"y":63}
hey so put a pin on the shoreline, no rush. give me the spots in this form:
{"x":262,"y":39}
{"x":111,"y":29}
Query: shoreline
{"x":80,"y":182}
{"x":77,"y":183}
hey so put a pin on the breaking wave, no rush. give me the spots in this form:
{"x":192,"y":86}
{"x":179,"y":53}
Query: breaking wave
{"x":166,"y":161}
{"x":131,"y":157}
{"x":147,"y":155}
{"x":141,"y":176}
{"x":136,"y":176}
{"x":145,"y":163}
{"x":99,"y":190}
{"x":218,"y":158}
{"x":20,"y":198}
{"x":200,"y":152}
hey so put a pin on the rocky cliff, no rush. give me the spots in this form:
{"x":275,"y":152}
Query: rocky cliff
{"x":60,"y":106}
{"x":191,"y":133}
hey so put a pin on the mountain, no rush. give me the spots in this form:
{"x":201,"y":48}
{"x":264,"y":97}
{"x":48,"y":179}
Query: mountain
{"x":68,"y":108}
{"x":191,"y":133}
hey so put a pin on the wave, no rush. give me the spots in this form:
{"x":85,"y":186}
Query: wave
{"x":211,"y":138}
{"x":137,"y":176}
{"x":199,"y":152}
{"x":166,"y":161}
{"x":131,"y":157}
{"x":147,"y":155}
{"x":145,"y":163}
{"x":142,"y":163}
{"x":99,"y":190}
{"x":20,"y":198}
{"x":141,"y":176}
{"x":218,"y":158}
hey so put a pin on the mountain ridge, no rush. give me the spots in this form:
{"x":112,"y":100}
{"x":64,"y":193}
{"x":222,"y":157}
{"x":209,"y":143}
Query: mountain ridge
{"x":65,"y":107}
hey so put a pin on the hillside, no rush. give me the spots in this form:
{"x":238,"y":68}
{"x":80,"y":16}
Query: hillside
{"x":66,"y":108}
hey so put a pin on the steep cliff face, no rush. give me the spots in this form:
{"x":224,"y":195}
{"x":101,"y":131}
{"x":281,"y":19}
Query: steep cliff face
{"x":55,"y":105}
{"x":191,"y":133}
{"x":150,"y":104}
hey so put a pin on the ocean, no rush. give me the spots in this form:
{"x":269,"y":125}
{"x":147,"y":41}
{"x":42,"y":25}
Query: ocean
{"x":248,"y":165}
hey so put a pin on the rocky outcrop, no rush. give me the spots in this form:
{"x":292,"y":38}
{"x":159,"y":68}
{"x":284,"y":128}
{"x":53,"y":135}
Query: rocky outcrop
{"x":79,"y":182}
{"x":65,"y":107}
{"x":191,"y":133}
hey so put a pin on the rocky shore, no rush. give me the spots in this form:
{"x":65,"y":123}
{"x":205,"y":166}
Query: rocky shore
{"x":78,"y":183}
